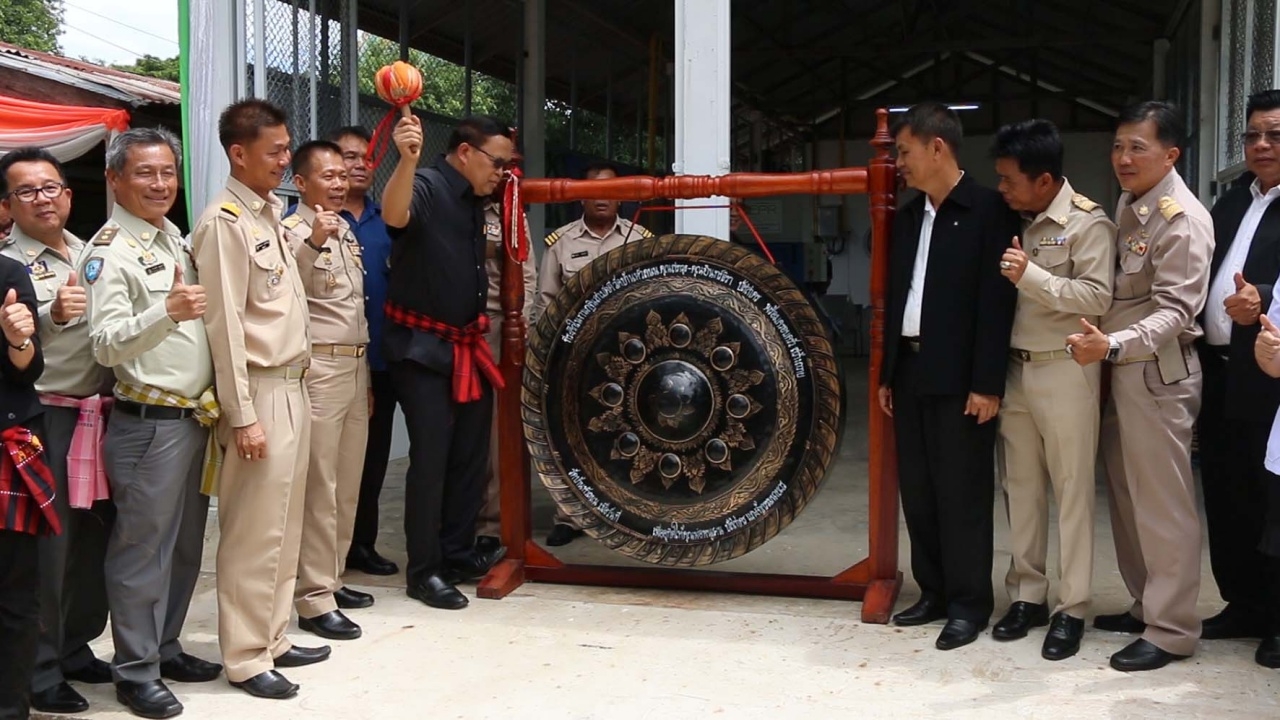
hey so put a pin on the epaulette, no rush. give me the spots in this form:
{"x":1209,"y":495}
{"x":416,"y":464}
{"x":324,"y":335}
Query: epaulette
{"x":107,"y":235}
{"x":292,"y":221}
{"x":645,"y":232}
{"x":1169,"y":208}
{"x":1084,"y":203}
{"x":231,"y":209}
{"x":552,"y":238}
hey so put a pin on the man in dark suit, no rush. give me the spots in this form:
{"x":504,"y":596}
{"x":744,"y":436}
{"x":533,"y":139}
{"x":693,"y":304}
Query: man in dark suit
{"x":946,"y":349}
{"x":1239,"y":400}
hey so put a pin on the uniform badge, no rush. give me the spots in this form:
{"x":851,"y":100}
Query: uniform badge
{"x":1053,"y":241}
{"x":152,"y":270}
{"x":93,"y":270}
{"x":1136,"y":246}
{"x":331,"y":281}
{"x":1143,"y":210}
{"x":262,"y":246}
{"x":274,"y":278}
{"x":577,"y":255}
{"x":492,"y":228}
{"x":147,"y":259}
{"x":39,"y":270}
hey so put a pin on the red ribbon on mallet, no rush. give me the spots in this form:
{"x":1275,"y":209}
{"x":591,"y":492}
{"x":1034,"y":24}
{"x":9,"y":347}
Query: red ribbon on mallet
{"x":400,"y":84}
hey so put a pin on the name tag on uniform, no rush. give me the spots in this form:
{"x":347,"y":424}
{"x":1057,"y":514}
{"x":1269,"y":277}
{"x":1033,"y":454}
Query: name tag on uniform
{"x":577,"y":255}
{"x":155,"y":269}
{"x":492,"y":228}
{"x":262,"y":246}
{"x":1053,"y":241}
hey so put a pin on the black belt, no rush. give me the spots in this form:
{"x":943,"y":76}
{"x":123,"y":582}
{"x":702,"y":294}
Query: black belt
{"x":153,"y":412}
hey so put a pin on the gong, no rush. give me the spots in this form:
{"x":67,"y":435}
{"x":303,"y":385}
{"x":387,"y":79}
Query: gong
{"x":681,"y":400}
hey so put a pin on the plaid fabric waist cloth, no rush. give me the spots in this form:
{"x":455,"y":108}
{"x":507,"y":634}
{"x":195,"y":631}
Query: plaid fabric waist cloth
{"x":27,"y":488}
{"x":86,"y":470}
{"x":471,"y":354}
{"x":204,"y":409}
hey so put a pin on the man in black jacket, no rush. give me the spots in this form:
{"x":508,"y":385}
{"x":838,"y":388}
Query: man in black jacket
{"x":946,"y":350}
{"x":1239,"y":400}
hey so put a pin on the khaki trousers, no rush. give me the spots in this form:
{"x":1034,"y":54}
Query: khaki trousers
{"x":1146,"y":444}
{"x":1049,"y":437}
{"x":338,"y":388}
{"x":260,"y":506}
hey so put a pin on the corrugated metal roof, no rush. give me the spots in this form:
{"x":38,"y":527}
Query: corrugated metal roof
{"x":136,"y":90}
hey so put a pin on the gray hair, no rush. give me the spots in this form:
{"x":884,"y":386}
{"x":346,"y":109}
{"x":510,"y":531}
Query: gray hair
{"x":118,"y":151}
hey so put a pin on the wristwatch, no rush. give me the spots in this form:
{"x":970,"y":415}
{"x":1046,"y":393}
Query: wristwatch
{"x":1113,"y":349}
{"x":25,"y":344}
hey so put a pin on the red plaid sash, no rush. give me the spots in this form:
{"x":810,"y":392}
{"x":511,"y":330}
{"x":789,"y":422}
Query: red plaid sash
{"x":26,"y":485}
{"x":470,"y":351}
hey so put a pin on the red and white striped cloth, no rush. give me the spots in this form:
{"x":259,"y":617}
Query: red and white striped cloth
{"x":86,"y":469}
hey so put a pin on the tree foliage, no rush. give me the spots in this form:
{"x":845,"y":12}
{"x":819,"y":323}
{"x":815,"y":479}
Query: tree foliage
{"x":152,"y":66}
{"x":33,"y":24}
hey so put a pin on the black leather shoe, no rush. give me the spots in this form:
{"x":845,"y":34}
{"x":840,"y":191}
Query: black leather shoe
{"x":487,"y":543}
{"x":367,"y":560}
{"x":1234,"y":623}
{"x":958,"y":633}
{"x":472,"y":566}
{"x":1268,"y":654}
{"x":925,"y":611}
{"x":150,"y":699}
{"x":349,"y":599}
{"x":1022,"y":616}
{"x":189,"y":669}
{"x":1142,"y":655}
{"x":331,"y":625}
{"x":61,"y":698}
{"x":438,"y":593}
{"x":1063,"y":639}
{"x":562,"y":535}
{"x":95,"y":672}
{"x":299,"y":656}
{"x":1120,"y":622}
{"x":270,"y":685}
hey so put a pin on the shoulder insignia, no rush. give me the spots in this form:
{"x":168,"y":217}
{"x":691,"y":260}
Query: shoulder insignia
{"x":292,"y":221}
{"x":644,"y":232}
{"x":231,"y":209}
{"x":552,"y":238}
{"x":1084,"y":203}
{"x":106,"y":236}
{"x":1169,"y":208}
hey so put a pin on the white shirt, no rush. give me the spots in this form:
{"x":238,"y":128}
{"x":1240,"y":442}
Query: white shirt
{"x":1272,"y":462}
{"x":1217,"y":323}
{"x":915,"y":293}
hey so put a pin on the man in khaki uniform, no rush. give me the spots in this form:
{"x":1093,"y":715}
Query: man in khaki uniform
{"x":1164,"y":244}
{"x":328,"y":258}
{"x":570,"y":249}
{"x":73,"y":599}
{"x":488,"y":523}
{"x":258,"y":332}
{"x":145,"y":306}
{"x":1063,"y":266}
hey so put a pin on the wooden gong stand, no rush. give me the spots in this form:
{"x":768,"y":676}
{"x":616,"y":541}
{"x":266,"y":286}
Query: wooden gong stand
{"x":874,"y":580}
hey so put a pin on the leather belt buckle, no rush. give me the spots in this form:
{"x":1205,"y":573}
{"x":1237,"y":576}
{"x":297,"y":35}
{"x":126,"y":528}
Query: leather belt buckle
{"x":1023,"y":355}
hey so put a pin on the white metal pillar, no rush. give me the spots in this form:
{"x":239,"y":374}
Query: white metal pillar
{"x":702,"y":94}
{"x":1210,"y":133}
{"x":533,"y":133}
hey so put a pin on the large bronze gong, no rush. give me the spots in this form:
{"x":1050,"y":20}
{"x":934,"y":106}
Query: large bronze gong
{"x":681,"y":400}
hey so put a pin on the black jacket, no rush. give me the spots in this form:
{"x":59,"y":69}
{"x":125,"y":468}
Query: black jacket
{"x":18,"y":400}
{"x":967,"y":310}
{"x":1251,"y":394}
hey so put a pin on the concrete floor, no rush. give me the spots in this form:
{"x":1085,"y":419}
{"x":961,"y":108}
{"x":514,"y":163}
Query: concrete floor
{"x":577,"y":652}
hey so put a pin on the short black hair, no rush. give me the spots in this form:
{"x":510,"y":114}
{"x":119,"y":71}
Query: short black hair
{"x":350,"y":130}
{"x":303,"y":155}
{"x":1262,"y":102}
{"x":929,"y":120}
{"x":474,"y":130}
{"x":27,"y":154}
{"x":596,"y":166}
{"x":243,"y":121}
{"x":1171,"y":131}
{"x":1034,"y":144}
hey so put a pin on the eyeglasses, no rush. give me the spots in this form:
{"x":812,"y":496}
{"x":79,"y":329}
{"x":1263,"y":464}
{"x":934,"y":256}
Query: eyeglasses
{"x":1253,"y":136}
{"x":499,"y":164}
{"x":28,"y":194}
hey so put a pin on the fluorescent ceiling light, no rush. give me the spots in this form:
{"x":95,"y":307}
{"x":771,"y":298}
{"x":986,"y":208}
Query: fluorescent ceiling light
{"x":953,"y":106}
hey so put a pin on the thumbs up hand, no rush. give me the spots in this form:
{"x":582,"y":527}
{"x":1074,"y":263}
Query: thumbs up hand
{"x":324,"y":227}
{"x":1245,"y":305}
{"x":185,"y":302}
{"x":1090,"y":346}
{"x":1014,"y":262}
{"x":70,"y":301}
{"x":16,"y":320}
{"x":1267,"y":347}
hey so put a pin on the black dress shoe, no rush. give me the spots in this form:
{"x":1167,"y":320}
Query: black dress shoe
{"x":1234,"y":623}
{"x":563,"y":535}
{"x":1142,"y":655}
{"x":1063,"y":639}
{"x":61,"y":698}
{"x":270,"y":685}
{"x":332,"y":625}
{"x":150,"y":699}
{"x":438,"y":593}
{"x":1022,"y":616}
{"x":95,"y":672}
{"x":925,"y":611}
{"x":1268,"y":654}
{"x":367,"y":560}
{"x":487,"y":543}
{"x":958,"y":633}
{"x":298,"y":656}
{"x":1120,"y":622}
{"x":189,"y":669}
{"x":472,"y":566}
{"x":349,"y":599}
